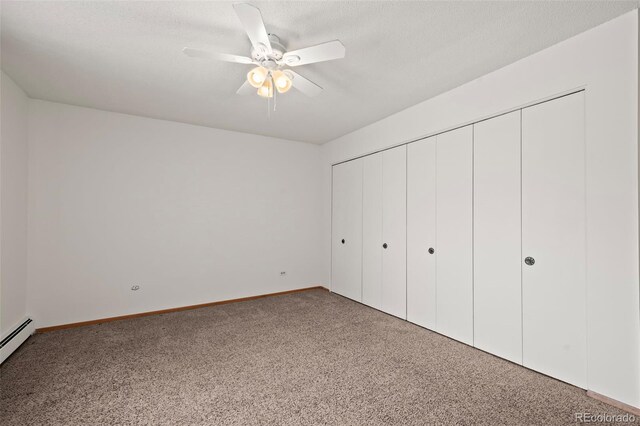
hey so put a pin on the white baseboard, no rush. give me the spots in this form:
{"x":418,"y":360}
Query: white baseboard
{"x":12,"y":339}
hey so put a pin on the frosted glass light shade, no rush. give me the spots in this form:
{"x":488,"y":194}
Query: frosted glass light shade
{"x":266,"y":90}
{"x":257,"y":76}
{"x":282,"y":81}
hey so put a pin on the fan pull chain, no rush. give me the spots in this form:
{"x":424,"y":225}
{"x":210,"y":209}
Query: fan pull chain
{"x":274,"y":96}
{"x":268,"y":100}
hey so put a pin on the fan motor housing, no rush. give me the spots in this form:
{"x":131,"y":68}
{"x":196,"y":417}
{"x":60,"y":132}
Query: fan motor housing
{"x":260,"y":54}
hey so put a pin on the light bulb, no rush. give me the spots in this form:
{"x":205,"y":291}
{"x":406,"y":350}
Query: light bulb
{"x":266,"y":90}
{"x":282,"y":80}
{"x":257,"y":76}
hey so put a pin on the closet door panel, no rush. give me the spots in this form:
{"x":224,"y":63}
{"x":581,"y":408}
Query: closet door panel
{"x":553,"y":234}
{"x":394,"y":231}
{"x":497,"y":237}
{"x":372,"y":231}
{"x":454,"y":251}
{"x":421,"y":232}
{"x":346,"y":259}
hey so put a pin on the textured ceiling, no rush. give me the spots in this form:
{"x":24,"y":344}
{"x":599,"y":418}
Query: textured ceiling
{"x":126,"y":56}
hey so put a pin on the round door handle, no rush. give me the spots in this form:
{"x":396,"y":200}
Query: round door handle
{"x":529,"y":260}
{"x":431,"y":250}
{"x":343,"y":241}
{"x":385,"y":245}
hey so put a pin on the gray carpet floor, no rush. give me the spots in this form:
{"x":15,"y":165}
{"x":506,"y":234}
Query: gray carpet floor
{"x":301,"y":359}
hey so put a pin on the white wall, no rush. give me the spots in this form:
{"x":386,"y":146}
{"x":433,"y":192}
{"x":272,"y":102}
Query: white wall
{"x":190,"y":214}
{"x":13,"y":202}
{"x":604,"y":61}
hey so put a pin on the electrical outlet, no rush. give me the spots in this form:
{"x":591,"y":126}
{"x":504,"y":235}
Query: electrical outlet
{"x":283,"y":273}
{"x":135,"y":287}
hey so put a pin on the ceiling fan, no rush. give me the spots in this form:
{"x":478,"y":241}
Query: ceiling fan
{"x":271,"y":58}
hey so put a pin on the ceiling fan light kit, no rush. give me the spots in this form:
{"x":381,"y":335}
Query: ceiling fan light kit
{"x":260,"y":77}
{"x":270,"y":58}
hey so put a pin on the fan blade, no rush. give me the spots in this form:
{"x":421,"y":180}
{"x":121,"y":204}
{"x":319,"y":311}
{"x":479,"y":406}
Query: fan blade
{"x":251,"y":20}
{"x":307,"y":87}
{"x":246,"y":89}
{"x":318,"y":53}
{"x":197,"y":53}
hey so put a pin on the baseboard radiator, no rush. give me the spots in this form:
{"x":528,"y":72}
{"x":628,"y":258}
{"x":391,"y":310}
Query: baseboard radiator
{"x":15,"y":338}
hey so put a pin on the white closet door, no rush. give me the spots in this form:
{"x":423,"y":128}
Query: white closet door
{"x":421,"y":232}
{"x":394,"y":231}
{"x":497,"y":268}
{"x":553,"y":234}
{"x":346,"y":252}
{"x":454,"y":250}
{"x":372,"y":231}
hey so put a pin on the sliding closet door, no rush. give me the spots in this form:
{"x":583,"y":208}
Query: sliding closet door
{"x":394,"y":231}
{"x":553,"y":239}
{"x":421,"y":232}
{"x":497,"y":243}
{"x":372,"y":231}
{"x":454,"y":251}
{"x":346,"y":227}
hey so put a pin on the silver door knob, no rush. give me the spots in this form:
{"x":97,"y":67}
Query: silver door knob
{"x":529,"y":260}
